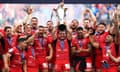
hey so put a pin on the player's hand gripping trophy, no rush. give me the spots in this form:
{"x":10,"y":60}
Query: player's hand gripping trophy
{"x":29,"y":11}
{"x":61,"y":12}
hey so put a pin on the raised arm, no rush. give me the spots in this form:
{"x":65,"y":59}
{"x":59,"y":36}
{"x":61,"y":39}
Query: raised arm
{"x":32,"y":37}
{"x":69,"y":32}
{"x":116,"y":28}
{"x":93,"y":18}
{"x":29,"y":12}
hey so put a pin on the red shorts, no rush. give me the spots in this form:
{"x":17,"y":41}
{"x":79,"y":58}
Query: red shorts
{"x":88,"y":64}
{"x":1,"y":64}
{"x":111,"y":69}
{"x":62,"y":67}
{"x":15,"y":69}
{"x":42,"y":63}
{"x":98,"y":63}
{"x":32,"y":69}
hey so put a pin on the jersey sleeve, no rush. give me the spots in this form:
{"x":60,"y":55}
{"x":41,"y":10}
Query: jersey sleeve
{"x":12,"y":50}
{"x":49,"y":39}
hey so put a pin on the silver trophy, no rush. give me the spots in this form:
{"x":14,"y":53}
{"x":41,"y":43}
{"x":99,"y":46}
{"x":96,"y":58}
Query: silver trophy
{"x":61,"y":12}
{"x":29,"y":11}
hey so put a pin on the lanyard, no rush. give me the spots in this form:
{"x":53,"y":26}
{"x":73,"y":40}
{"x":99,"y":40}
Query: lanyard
{"x":21,"y":53}
{"x":73,"y":33}
{"x":9,"y":40}
{"x":62,"y":44}
{"x":80,"y":42}
{"x":33,"y":52}
{"x":107,"y":48}
{"x":41,"y":42}
{"x":96,"y":33}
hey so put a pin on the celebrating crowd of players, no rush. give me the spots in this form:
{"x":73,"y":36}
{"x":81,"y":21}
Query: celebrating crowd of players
{"x":89,"y":47}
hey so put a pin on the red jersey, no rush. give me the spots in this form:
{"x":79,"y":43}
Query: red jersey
{"x":2,"y":31}
{"x":33,"y":30}
{"x":74,"y":34}
{"x":105,"y":56}
{"x":50,"y":41}
{"x":62,"y":52}
{"x":10,"y":42}
{"x":100,"y":38}
{"x":81,"y":43}
{"x":41,"y":45}
{"x":50,"y":38}
{"x":30,"y":57}
{"x":17,"y":57}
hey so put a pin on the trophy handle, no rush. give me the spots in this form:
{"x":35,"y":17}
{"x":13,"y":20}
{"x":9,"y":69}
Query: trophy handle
{"x":55,"y":11}
{"x":51,"y":16}
{"x":65,"y":12}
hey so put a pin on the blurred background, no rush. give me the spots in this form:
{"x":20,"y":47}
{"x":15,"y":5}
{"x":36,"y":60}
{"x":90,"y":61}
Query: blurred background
{"x":11,"y":14}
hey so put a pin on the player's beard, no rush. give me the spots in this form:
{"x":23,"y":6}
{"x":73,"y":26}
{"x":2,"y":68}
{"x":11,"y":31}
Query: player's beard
{"x":108,"y":42}
{"x":50,"y":29}
{"x":34,"y":27}
{"x":74,"y":28}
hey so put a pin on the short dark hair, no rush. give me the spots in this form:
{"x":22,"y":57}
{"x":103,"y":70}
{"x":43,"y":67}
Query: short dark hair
{"x":86,"y":19}
{"x":62,"y":27}
{"x":41,"y":26}
{"x":79,"y":28}
{"x":76,"y":21}
{"x":7,"y":27}
{"x":45,"y":27}
{"x":35,"y":18}
{"x":101,"y":23}
{"x":21,"y":40}
{"x":49,"y":21}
